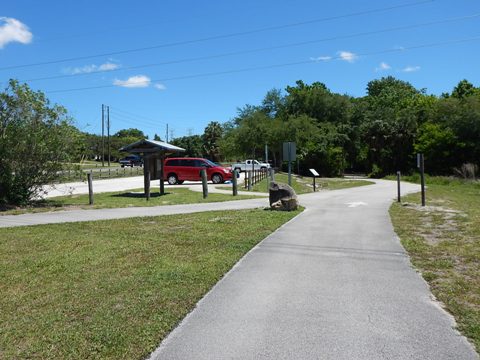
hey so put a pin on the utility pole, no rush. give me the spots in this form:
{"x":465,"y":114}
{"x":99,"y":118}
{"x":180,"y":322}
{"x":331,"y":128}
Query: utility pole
{"x":103,"y":135}
{"x":166,"y":135}
{"x":108,"y":133}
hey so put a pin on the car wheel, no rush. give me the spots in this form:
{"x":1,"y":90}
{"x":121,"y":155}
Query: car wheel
{"x":172,"y":179}
{"x":122,"y":166}
{"x":238,"y":169}
{"x":217,"y":178}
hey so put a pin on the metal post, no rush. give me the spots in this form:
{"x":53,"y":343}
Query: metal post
{"x":398,"y":187}
{"x":234,"y":183}
{"x":108,"y":133}
{"x":314,"y":184}
{"x":103,"y":135}
{"x":203,"y":173}
{"x":267,"y":176}
{"x":90,"y":188}
{"x":422,"y":178}
{"x":290,"y":164}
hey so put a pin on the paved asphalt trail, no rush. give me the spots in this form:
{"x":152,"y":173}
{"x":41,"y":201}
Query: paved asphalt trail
{"x":333,"y":283}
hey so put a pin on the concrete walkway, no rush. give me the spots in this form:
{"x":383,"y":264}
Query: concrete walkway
{"x":55,"y":217}
{"x":333,"y":283}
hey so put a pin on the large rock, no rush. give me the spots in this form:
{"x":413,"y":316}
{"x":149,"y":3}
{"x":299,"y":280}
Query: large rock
{"x":282,"y":197}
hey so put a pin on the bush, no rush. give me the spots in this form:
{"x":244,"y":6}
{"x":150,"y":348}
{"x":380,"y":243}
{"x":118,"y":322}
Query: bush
{"x":35,"y":141}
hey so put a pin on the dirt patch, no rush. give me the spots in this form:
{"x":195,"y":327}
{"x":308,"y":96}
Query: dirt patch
{"x":438,"y":222}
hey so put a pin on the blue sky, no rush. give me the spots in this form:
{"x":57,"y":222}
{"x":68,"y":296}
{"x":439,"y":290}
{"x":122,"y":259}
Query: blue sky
{"x":200,"y":49}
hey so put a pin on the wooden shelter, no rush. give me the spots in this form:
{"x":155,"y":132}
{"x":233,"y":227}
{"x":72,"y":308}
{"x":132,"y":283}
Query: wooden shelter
{"x":153,"y":154}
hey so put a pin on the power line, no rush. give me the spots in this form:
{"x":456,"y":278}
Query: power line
{"x":128,"y":117}
{"x":136,"y":116}
{"x":209,"y":57}
{"x":273,"y":66}
{"x":135,"y":122}
{"x":132,"y":120}
{"x":223,"y":36}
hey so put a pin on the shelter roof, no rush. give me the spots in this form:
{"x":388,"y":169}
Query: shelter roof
{"x":150,"y":147}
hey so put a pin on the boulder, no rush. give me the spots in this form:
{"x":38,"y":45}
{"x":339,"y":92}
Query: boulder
{"x":282,"y":197}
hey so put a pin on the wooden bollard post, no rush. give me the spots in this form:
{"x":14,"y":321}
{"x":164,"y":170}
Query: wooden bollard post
{"x":203,"y":173}
{"x":234,"y":183}
{"x":90,"y":188}
{"x":250,"y":179}
{"x":147,"y":185}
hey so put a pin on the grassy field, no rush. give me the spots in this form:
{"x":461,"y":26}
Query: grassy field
{"x":114,"y":289}
{"x":443,"y":240}
{"x":128,"y":198}
{"x":303,"y":185}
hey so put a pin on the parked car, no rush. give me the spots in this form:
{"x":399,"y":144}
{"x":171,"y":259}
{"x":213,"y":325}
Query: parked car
{"x":131,"y":160}
{"x":177,"y":170}
{"x":247,"y":165}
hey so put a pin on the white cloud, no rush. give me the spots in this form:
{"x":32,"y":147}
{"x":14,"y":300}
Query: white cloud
{"x":160,"y":86}
{"x":347,"y":56}
{"x":137,"y":81}
{"x":13,"y":30}
{"x":108,"y":66}
{"x":383,"y":67}
{"x":321,"y":58}
{"x":411,"y":69}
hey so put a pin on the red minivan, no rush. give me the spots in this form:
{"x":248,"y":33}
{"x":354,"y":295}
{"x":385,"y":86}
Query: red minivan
{"x":177,"y":170}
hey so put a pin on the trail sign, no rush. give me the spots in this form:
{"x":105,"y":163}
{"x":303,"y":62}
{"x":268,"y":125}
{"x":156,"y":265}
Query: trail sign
{"x":289,"y":151}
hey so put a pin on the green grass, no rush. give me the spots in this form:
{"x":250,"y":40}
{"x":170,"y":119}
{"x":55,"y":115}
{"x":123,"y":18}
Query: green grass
{"x":303,"y":185}
{"x":443,"y":241}
{"x":128,"y":198}
{"x":114,"y":289}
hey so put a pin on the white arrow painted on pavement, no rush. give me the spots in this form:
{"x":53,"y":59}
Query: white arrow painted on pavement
{"x":356,"y":204}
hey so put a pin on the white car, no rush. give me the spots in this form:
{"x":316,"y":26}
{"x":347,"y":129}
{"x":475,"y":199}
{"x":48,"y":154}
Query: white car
{"x":247,"y":165}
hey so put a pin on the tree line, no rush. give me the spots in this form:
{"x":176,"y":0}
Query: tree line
{"x":377,"y":134}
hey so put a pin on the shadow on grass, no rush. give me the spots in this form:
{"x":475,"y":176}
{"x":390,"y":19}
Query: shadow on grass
{"x":139,"y":195}
{"x":37,"y":204}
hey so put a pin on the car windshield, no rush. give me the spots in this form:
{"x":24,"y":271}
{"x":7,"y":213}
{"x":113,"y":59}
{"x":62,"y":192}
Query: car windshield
{"x":211,"y":163}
